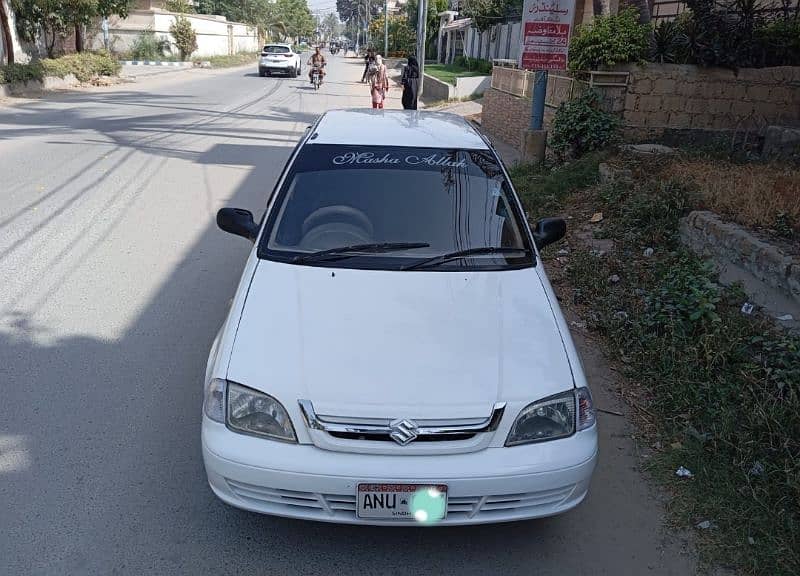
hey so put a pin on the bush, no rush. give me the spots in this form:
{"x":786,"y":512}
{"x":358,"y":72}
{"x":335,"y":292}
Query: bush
{"x":83,"y":66}
{"x":19,"y":73}
{"x":739,"y":33}
{"x":779,"y":43}
{"x":580,"y":126}
{"x":482,"y":66}
{"x":610,"y":40}
{"x":185,"y":36}
{"x":669,"y":43}
{"x":148,"y":46}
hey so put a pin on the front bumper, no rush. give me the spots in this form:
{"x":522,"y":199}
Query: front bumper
{"x":492,"y":485}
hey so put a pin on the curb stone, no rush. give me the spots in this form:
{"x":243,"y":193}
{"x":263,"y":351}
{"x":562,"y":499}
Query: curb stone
{"x":155,"y":63}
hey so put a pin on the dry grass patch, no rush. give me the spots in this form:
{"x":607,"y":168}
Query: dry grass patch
{"x":755,"y":195}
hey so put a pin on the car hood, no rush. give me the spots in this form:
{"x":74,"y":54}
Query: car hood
{"x":383,"y":344}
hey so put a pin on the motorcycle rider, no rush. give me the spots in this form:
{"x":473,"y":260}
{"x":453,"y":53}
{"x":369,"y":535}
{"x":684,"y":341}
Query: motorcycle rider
{"x":317,"y":59}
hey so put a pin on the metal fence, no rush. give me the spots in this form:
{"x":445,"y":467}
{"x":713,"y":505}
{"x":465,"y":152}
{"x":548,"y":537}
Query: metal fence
{"x":561,"y":88}
{"x":512,"y":81}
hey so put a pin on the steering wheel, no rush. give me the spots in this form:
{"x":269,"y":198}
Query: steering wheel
{"x":334,"y":226}
{"x":338,"y":214}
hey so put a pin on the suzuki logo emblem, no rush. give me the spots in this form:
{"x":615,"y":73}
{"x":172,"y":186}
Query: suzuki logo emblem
{"x":403,"y":431}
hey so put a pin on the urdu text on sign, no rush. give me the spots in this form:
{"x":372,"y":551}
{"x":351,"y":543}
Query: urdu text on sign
{"x":546,"y":26}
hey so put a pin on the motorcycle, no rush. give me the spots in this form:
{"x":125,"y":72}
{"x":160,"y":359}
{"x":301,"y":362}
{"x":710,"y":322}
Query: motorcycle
{"x":316,"y":76}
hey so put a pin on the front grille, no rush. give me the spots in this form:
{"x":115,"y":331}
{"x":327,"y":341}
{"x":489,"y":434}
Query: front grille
{"x":401,"y":431}
{"x":275,"y":497}
{"x":387,"y":438}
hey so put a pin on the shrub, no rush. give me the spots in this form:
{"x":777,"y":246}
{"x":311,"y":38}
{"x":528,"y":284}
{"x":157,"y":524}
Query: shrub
{"x":185,"y":36}
{"x":610,"y":40}
{"x":669,"y":43}
{"x":482,"y":66}
{"x":83,"y":66}
{"x":580,"y":126}
{"x":779,"y":43}
{"x":740,"y":33}
{"x":148,"y":46}
{"x":19,"y":73}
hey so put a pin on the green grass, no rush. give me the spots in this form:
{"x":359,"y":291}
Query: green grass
{"x":239,"y":59}
{"x":448,"y":73}
{"x":722,"y":389}
{"x":543,"y":189}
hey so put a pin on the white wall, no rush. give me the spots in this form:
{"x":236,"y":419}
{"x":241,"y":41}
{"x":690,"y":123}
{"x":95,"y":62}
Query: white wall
{"x":215,"y":36}
{"x":477,"y":45}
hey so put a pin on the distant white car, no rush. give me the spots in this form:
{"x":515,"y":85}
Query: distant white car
{"x":279,"y":58}
{"x":394,"y":352}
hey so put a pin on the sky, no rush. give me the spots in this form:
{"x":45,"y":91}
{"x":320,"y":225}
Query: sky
{"x":322,"y":6}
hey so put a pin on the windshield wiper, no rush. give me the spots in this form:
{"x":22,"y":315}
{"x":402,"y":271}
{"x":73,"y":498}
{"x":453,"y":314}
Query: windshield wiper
{"x":345,"y":251}
{"x":435,"y":260}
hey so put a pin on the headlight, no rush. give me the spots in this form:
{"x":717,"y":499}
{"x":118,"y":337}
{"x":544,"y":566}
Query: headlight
{"x":553,"y":417}
{"x":253,"y":412}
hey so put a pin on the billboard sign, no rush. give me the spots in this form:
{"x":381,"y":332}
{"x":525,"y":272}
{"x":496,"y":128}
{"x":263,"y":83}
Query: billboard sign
{"x":546,"y":29}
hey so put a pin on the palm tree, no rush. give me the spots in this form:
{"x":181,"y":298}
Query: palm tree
{"x":5,"y":28}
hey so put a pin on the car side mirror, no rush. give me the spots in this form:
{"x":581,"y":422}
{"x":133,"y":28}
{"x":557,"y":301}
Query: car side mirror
{"x":238,"y":221}
{"x":548,"y":231}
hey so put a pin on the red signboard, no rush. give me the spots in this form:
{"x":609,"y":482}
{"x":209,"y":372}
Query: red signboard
{"x":545,"y":34}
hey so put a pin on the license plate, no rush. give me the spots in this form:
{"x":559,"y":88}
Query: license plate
{"x":421,"y":502}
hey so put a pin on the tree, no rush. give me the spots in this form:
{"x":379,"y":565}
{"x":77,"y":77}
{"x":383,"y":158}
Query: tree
{"x":487,"y":13}
{"x":296,"y":16}
{"x":435,"y":7}
{"x":179,"y":6}
{"x":54,"y":18}
{"x":185,"y":36}
{"x":401,"y":36}
{"x":45,"y":17}
{"x":5,"y":30}
{"x":331,"y":27}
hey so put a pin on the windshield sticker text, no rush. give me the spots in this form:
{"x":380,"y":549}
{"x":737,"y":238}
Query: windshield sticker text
{"x":372,"y":159}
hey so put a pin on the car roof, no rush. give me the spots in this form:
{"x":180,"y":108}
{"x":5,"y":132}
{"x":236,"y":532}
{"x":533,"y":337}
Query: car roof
{"x":278,"y":44}
{"x":411,"y":128}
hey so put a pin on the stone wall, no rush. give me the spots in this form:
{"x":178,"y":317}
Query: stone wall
{"x":769,"y":275}
{"x":673,"y":96}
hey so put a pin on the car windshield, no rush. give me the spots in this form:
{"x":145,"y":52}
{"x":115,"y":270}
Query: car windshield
{"x":276,"y":50}
{"x":399,"y":206}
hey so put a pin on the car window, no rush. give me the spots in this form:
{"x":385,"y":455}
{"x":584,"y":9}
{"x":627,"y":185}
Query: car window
{"x":276,"y":49}
{"x":452,"y":200}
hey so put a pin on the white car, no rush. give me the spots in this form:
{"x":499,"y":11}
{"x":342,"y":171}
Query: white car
{"x":394,"y":353}
{"x":279,"y":58}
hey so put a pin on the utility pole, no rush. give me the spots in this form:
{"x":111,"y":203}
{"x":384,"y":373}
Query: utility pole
{"x":422,"y":22}
{"x":368,"y":19}
{"x":385,"y":28}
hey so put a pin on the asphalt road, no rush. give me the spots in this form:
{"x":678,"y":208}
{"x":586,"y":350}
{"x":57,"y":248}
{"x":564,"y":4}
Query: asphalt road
{"x":114,"y":282}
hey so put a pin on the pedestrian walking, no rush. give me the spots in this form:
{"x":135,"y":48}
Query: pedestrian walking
{"x":378,"y":83}
{"x":369,"y":62}
{"x":410,"y":82}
